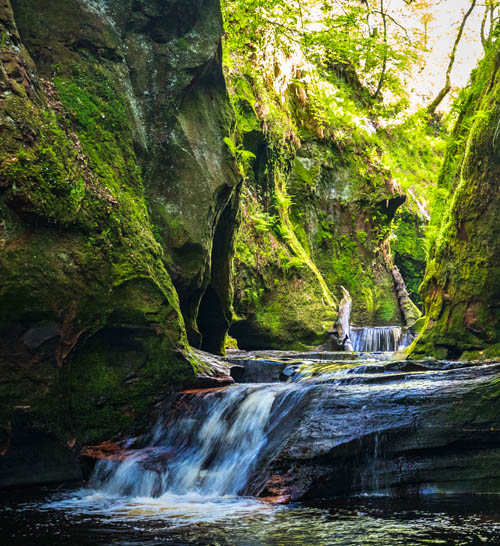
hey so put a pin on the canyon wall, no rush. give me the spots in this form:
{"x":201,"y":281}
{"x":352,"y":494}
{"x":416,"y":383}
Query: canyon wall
{"x":461,"y":289}
{"x":118,"y":204}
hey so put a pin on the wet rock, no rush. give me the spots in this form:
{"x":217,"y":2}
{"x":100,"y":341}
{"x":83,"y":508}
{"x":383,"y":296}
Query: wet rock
{"x":258,"y":371}
{"x":289,"y":372}
{"x":423,"y":431}
{"x":35,"y":337}
{"x":213,"y":371}
{"x":34,"y":456}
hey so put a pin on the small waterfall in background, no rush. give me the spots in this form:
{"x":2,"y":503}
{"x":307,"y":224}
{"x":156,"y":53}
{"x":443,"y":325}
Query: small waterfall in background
{"x":380,"y":338}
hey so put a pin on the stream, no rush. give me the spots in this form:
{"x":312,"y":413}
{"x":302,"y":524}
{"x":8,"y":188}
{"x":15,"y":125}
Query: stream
{"x":27,"y":519}
{"x":215,"y":468}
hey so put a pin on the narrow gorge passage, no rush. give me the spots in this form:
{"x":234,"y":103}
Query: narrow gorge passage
{"x":249,"y":273}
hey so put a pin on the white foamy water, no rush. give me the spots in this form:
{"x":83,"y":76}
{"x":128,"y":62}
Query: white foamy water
{"x":195,"y":467}
{"x":173,"y":510}
{"x":380,"y":338}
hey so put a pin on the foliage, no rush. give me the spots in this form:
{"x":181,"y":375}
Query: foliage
{"x":302,"y":78}
{"x":242,"y":156}
{"x":376,"y":45}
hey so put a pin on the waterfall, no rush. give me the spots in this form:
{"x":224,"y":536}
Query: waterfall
{"x":209,"y":447}
{"x":380,"y":338}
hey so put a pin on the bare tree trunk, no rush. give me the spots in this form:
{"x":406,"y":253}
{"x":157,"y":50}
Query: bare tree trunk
{"x":484,"y":40}
{"x":409,"y":310}
{"x":447,"y":86}
{"x":384,"y":64}
{"x":490,"y":10}
{"x":343,"y":324}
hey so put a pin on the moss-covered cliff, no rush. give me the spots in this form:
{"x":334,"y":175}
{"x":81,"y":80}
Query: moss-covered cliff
{"x":126,"y":168}
{"x":320,"y":199}
{"x":118,"y":203}
{"x":461,"y":289}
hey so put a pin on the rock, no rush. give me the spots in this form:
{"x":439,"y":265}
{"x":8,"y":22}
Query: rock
{"x":331,"y":237}
{"x":461,"y":288}
{"x":35,"y":457}
{"x":289,"y":372}
{"x":212,"y":371}
{"x":118,"y":200}
{"x":259,"y":371}
{"x":425,"y":430}
{"x":34,"y":337}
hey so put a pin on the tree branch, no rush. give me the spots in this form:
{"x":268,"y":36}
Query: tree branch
{"x":397,"y":24}
{"x":384,"y":63}
{"x":447,"y":86}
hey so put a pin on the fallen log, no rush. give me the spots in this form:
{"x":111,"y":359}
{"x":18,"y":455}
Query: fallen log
{"x":342,"y":326}
{"x":409,"y":310}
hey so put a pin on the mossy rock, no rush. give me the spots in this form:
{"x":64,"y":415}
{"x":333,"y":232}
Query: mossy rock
{"x":91,"y":324}
{"x":461,"y":289}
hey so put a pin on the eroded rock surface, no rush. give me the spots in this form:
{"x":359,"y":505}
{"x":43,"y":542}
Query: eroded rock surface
{"x":393,"y":428}
{"x":118,"y":201}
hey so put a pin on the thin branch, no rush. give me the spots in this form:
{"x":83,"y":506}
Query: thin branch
{"x":396,"y":23}
{"x":384,"y":63}
{"x":447,"y":86}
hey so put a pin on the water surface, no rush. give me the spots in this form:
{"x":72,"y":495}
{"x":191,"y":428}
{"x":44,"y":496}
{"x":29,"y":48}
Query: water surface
{"x":52,"y":517}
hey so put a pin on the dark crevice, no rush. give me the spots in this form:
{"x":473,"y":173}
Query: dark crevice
{"x":214,"y":313}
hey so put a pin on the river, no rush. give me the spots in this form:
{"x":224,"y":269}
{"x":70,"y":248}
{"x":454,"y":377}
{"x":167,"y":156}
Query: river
{"x":206,"y":471}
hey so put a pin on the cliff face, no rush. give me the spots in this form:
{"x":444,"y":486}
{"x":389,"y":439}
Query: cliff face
{"x":117,"y":195}
{"x":461,"y":289}
{"x":317,"y":215}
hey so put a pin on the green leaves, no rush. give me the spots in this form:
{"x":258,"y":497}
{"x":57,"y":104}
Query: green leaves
{"x":363,"y":37}
{"x":243,"y":157}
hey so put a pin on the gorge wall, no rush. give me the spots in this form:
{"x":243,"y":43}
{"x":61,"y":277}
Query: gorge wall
{"x":318,"y":209}
{"x":118,"y":203}
{"x":461,"y":287}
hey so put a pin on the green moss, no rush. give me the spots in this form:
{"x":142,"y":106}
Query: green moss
{"x":47,"y":180}
{"x":116,"y":377}
{"x":93,"y":266}
{"x":410,"y":251}
{"x":316,"y":214}
{"x":461,"y":283}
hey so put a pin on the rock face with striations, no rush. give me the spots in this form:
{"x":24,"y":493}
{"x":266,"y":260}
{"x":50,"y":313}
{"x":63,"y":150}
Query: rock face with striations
{"x":118,"y":203}
{"x":395,"y":428}
{"x":461,"y":289}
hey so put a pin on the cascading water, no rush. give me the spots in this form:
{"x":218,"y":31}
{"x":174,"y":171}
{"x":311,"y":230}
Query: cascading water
{"x":211,"y":450}
{"x":199,"y":462}
{"x":380,"y":338}
{"x":337,"y":426}
{"x":212,"y":442}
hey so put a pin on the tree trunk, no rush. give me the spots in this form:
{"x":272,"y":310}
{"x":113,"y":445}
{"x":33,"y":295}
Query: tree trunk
{"x":489,"y":12}
{"x":409,"y":310}
{"x":343,"y":323}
